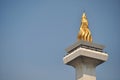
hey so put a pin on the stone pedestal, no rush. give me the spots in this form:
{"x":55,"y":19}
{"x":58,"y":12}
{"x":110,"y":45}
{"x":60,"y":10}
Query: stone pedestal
{"x":84,"y":57}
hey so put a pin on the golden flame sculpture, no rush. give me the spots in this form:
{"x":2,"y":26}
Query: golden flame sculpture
{"x":84,"y":33}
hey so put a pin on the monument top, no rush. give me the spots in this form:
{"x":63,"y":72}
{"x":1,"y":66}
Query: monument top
{"x":84,"y":33}
{"x":84,"y":55}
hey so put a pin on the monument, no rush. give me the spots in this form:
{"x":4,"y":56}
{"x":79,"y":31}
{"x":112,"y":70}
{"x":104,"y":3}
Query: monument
{"x":84,"y":55}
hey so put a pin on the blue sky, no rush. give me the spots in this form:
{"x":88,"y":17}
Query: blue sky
{"x":35,"y":33}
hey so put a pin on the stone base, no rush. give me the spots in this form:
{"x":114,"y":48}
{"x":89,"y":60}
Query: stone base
{"x":84,"y":61}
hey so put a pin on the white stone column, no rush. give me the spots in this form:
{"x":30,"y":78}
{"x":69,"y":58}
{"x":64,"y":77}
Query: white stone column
{"x":85,"y":60}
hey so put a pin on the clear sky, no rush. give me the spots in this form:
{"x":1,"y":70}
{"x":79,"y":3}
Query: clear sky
{"x":35,"y":33}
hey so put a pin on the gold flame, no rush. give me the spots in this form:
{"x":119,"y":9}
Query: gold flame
{"x":84,"y":33}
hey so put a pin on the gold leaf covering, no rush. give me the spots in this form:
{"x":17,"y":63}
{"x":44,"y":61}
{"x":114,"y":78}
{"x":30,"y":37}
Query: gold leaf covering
{"x":84,"y":33}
